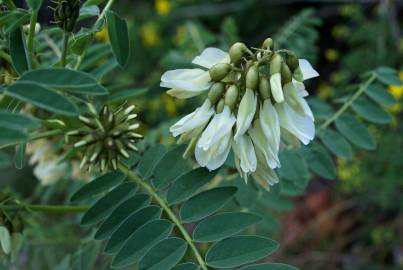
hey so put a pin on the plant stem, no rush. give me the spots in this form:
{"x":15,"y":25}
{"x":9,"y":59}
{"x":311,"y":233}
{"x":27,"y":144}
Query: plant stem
{"x":346,"y":105}
{"x":32,"y":24}
{"x":65,"y":47}
{"x":62,"y":209}
{"x":168,"y":211}
{"x":35,"y":137}
{"x":97,"y":25}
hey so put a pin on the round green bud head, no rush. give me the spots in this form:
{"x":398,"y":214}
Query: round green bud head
{"x":264,"y":88}
{"x":298,"y":75}
{"x":252,"y":77}
{"x":219,"y":71}
{"x":286,"y":75}
{"x":267,"y":44}
{"x":216,"y":92}
{"x":292,"y":61}
{"x":220,"y":106}
{"x":236,"y":52}
{"x":275,"y":65}
{"x":231,"y":96}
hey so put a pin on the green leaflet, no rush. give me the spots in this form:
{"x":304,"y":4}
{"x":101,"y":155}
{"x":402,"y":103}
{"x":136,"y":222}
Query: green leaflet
{"x":98,"y":186}
{"x":223,"y":225}
{"x":66,"y":80}
{"x":380,"y":95}
{"x":164,"y":255}
{"x":238,"y":250}
{"x":10,"y":135}
{"x":149,"y":160}
{"x":188,"y":184}
{"x":119,"y":38}
{"x":141,"y":242}
{"x":355,"y":132}
{"x":18,"y":121}
{"x":18,"y":51}
{"x":370,"y":111}
{"x":336,"y":143}
{"x":104,"y":206}
{"x":186,"y":266}
{"x":206,"y":203}
{"x":42,"y":97}
{"x":130,"y":225}
{"x":121,"y":213}
{"x":320,"y":162}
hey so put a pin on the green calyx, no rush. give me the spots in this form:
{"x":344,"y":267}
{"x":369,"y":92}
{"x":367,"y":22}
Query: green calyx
{"x":219,"y":71}
{"x":231,"y":97}
{"x":106,"y":136}
{"x":216,"y":92}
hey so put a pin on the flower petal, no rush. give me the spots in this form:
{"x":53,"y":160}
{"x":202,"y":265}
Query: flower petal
{"x":186,"y":79}
{"x":307,"y":70}
{"x":246,"y":112}
{"x":244,"y":150}
{"x":270,"y":125}
{"x":215,"y":156}
{"x":193,"y":120}
{"x":276,"y":87}
{"x":211,"y":56}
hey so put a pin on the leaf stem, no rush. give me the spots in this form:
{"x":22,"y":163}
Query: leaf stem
{"x":348,"y":103}
{"x":32,"y":24}
{"x":66,"y":36}
{"x":62,"y":209}
{"x":169,"y":212}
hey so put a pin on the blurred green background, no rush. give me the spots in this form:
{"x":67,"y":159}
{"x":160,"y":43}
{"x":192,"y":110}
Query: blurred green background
{"x":354,"y":222}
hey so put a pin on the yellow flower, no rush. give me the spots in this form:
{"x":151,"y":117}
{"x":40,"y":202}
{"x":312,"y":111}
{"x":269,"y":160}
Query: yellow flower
{"x":172,"y":104}
{"x":397,"y":90}
{"x":331,"y":55}
{"x":149,"y":35}
{"x":102,"y":35}
{"x":324,"y":90}
{"x":163,"y":7}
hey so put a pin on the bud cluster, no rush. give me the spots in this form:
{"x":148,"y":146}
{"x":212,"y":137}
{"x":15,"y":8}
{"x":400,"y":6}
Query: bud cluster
{"x":255,"y":103}
{"x":106,"y":136}
{"x":66,"y":14}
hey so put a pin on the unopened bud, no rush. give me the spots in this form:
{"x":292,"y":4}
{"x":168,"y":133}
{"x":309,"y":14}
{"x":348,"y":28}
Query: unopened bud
{"x":264,"y":88}
{"x":216,"y":92}
{"x":252,"y":77}
{"x":298,"y":75}
{"x":236,"y":52}
{"x":286,"y":75}
{"x":231,"y":96}
{"x":220,"y":106}
{"x":267,"y":44}
{"x":275,"y":65}
{"x":219,"y":71}
{"x":292,"y":61}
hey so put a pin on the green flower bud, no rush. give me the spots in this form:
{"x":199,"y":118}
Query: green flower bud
{"x":231,"y":96}
{"x":286,"y":76}
{"x":66,"y":14}
{"x":298,"y":75}
{"x":275,"y":65}
{"x":220,"y":106}
{"x":216,"y":92}
{"x":236,"y":52}
{"x":264,"y":88}
{"x":252,"y":77}
{"x":219,"y":71}
{"x":267,"y":44}
{"x":292,"y":61}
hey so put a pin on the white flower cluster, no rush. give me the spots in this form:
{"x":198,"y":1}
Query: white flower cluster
{"x":255,"y":102}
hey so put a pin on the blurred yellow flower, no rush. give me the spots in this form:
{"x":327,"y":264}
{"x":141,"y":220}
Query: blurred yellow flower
{"x":324,"y":90}
{"x":163,"y":7}
{"x":102,"y":35}
{"x":340,"y":31}
{"x":331,"y":55}
{"x":180,"y":35}
{"x":397,"y":90}
{"x":149,"y":34}
{"x":171,"y":104}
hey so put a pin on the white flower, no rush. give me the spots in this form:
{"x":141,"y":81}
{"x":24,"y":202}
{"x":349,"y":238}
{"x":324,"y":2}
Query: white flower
{"x":49,"y":172}
{"x":214,"y":156}
{"x":266,"y":145}
{"x":307,"y":70}
{"x":210,"y":57}
{"x":246,"y":112}
{"x":245,"y":152}
{"x":193,"y":120}
{"x":299,"y":124}
{"x":276,"y":87}
{"x":270,"y":125}
{"x":219,"y":127}
{"x":186,"y":83}
{"x":264,"y":175}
